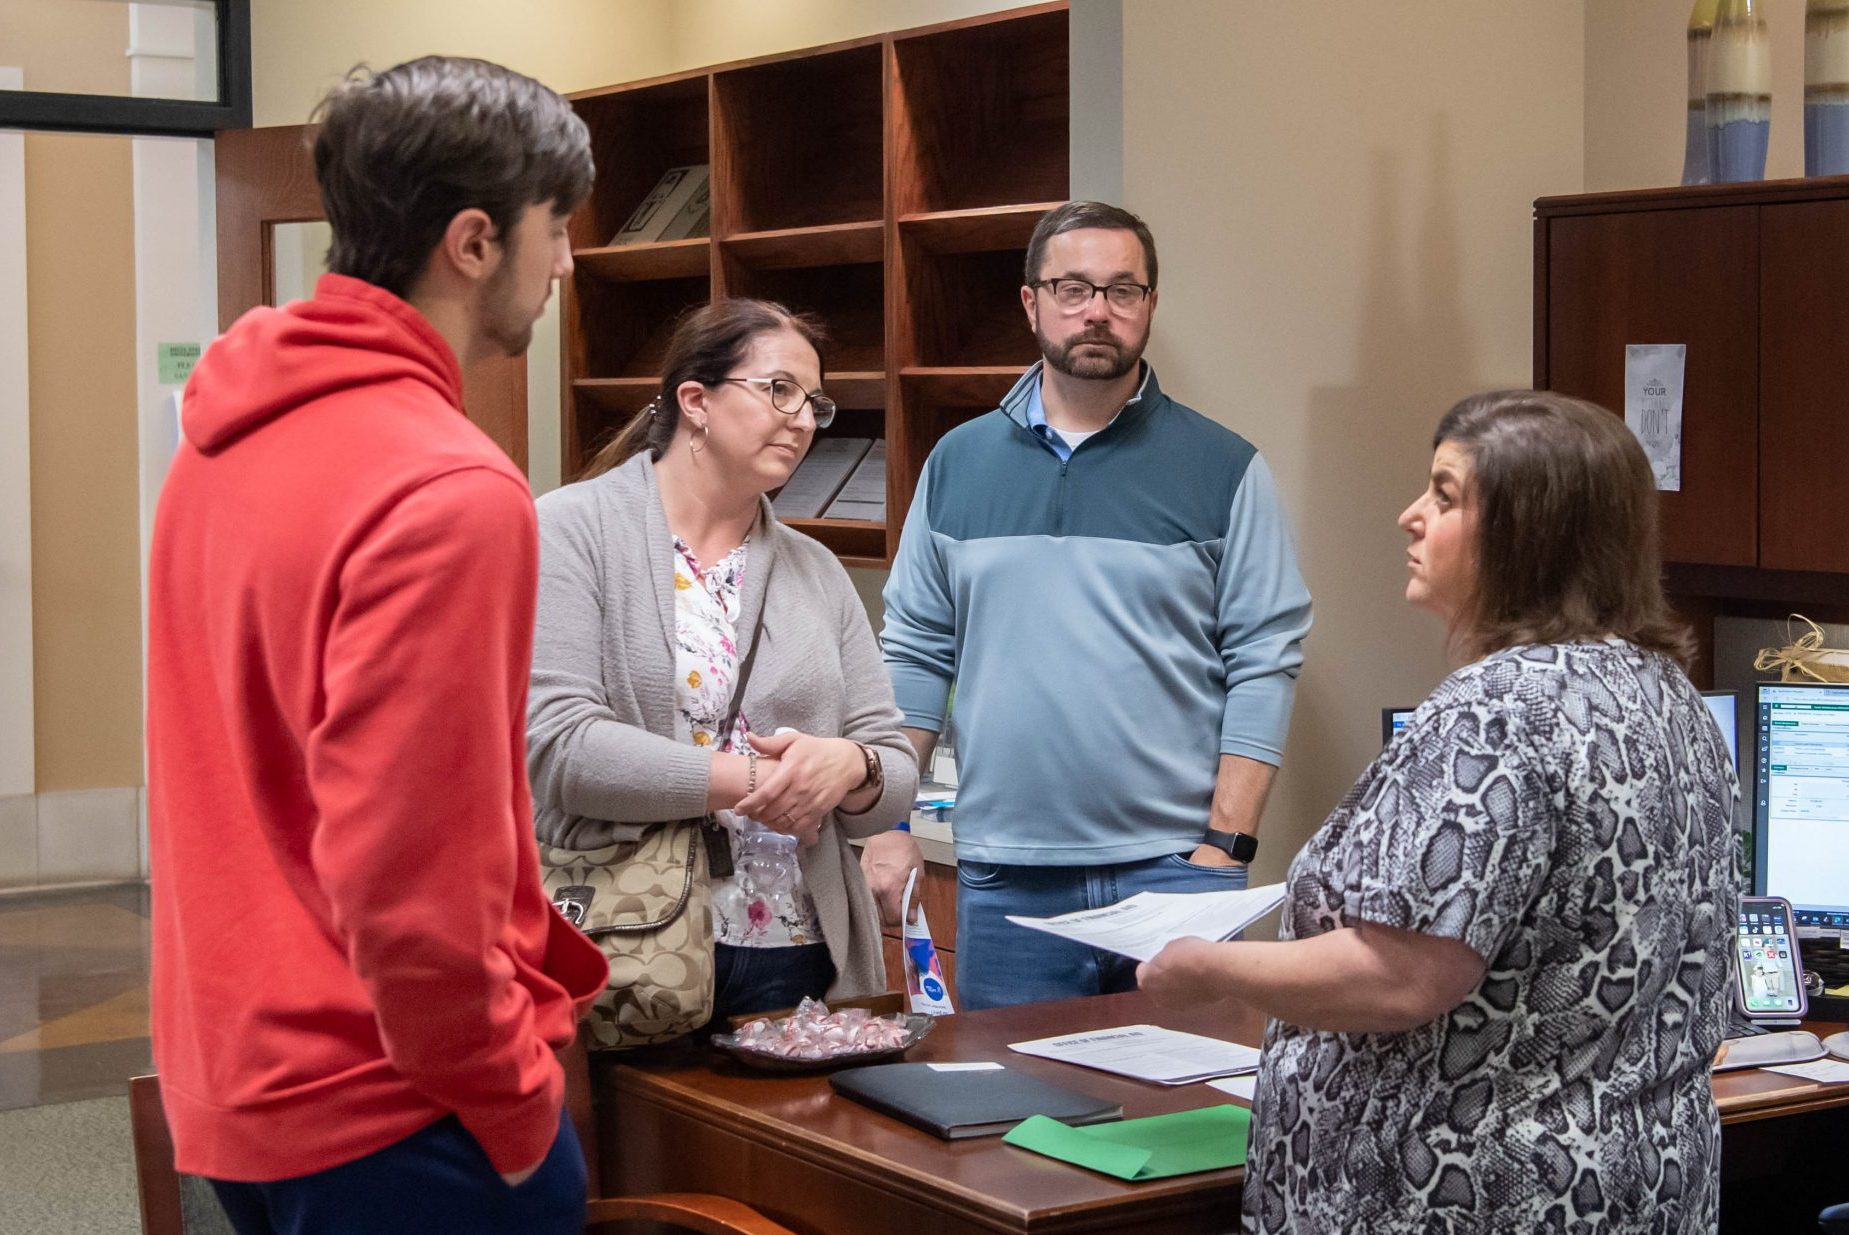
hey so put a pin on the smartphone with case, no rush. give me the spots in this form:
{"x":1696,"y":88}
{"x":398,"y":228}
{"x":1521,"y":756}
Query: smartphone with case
{"x":1769,"y":977}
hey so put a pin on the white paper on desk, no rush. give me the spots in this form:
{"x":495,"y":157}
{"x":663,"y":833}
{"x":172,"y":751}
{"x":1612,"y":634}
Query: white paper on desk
{"x":1142,"y":925}
{"x":1244,"y":1087}
{"x":1826,"y":1071}
{"x":1653,"y":406}
{"x":1146,"y":1053}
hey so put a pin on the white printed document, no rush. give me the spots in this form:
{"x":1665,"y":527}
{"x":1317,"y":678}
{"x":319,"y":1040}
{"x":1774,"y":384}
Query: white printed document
{"x":1142,"y":925}
{"x":1245,"y":1088}
{"x":1146,"y":1053}
{"x":1824,"y":1071}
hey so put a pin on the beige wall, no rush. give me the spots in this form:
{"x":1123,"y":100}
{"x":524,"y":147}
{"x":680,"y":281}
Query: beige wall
{"x":702,"y":32}
{"x":1343,"y":196}
{"x":298,"y":50}
{"x":1637,"y":92}
{"x":81,"y":330}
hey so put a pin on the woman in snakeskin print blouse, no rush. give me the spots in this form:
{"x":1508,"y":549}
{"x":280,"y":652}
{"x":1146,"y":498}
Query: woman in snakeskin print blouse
{"x":1503,"y":965}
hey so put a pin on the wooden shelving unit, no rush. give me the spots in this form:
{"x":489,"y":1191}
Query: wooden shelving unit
{"x":887,"y":184}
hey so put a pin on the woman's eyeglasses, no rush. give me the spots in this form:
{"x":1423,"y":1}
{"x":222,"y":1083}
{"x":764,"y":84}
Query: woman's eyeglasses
{"x":788,"y":397}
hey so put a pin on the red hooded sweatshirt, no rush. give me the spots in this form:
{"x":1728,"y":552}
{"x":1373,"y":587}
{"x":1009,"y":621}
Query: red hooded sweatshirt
{"x":350,"y":936}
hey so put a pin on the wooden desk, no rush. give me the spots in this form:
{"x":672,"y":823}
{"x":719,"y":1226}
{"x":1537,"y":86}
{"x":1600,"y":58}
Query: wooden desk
{"x":1781,"y":1148}
{"x":689,"y":1121}
{"x":1752,"y":1094}
{"x":685,"y":1120}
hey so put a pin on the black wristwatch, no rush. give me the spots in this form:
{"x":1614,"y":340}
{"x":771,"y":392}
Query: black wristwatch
{"x":1235,"y":845}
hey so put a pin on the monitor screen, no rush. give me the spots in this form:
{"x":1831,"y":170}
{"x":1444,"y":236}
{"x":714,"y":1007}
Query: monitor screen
{"x":1392,"y":720}
{"x":1722,"y":703}
{"x":1801,"y":800}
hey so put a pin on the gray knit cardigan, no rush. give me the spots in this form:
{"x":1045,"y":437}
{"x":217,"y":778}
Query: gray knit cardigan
{"x":607,"y":751}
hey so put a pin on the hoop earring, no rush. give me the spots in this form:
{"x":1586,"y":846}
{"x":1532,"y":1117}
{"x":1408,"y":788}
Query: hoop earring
{"x":701,"y":430}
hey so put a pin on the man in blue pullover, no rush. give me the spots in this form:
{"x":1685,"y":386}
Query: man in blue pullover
{"x":1106,"y":577}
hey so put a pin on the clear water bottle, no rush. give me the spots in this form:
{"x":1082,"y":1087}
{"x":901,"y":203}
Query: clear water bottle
{"x":766,"y":862}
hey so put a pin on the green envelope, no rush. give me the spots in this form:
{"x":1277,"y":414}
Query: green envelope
{"x":1137,"y":1149}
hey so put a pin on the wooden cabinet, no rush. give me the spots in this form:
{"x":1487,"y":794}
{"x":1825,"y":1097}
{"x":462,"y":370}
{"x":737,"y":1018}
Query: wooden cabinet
{"x":887,"y":184}
{"x":1754,"y":278}
{"x":1674,"y":276}
{"x":1804,"y":386}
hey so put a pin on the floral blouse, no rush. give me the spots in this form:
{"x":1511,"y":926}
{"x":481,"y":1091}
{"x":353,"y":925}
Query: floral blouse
{"x":706,"y":607}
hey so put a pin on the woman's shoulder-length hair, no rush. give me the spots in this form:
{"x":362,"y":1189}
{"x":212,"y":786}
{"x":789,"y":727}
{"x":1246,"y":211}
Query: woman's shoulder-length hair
{"x":1566,"y":534}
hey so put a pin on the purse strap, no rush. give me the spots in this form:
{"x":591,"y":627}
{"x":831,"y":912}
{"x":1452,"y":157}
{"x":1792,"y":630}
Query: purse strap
{"x":718,"y":844}
{"x":744,"y":666}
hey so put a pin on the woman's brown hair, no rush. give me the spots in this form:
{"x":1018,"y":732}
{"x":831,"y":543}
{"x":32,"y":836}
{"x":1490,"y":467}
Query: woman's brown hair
{"x":1566,"y":541}
{"x":707,"y":344}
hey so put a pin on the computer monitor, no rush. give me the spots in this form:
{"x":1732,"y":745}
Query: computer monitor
{"x":1724,"y":705}
{"x":1392,"y":720}
{"x":1801,"y":801}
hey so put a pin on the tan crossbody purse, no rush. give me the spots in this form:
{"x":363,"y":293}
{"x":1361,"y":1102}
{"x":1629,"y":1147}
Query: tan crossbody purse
{"x":646,"y":903}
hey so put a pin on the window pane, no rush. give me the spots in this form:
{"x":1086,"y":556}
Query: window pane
{"x":298,"y":252}
{"x":151,"y":49}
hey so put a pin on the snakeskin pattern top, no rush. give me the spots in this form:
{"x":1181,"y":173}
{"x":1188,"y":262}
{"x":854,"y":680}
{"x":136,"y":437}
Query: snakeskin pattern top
{"x":1566,"y":811}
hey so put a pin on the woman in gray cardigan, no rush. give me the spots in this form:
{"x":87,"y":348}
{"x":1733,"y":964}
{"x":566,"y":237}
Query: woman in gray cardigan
{"x":654,"y":573}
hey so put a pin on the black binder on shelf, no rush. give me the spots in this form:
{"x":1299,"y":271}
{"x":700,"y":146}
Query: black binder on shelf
{"x":956,"y":1103}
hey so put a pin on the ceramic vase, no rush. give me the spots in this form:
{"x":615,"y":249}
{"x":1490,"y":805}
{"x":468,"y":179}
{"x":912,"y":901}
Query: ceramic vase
{"x":1739,"y":98}
{"x":1695,"y":141}
{"x":1826,"y":88}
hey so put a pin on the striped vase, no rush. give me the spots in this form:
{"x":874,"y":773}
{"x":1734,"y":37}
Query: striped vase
{"x":1695,"y":144}
{"x":1739,"y":113}
{"x":1826,"y":87}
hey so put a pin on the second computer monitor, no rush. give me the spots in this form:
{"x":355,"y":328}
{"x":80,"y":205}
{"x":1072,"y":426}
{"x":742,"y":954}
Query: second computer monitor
{"x":1801,"y":800}
{"x":1724,"y":705}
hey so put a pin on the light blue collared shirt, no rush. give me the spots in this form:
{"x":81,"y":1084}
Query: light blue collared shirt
{"x":1036,"y":413}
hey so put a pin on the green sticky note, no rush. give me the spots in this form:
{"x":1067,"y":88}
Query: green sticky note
{"x":175,"y":361}
{"x":1154,"y":1148}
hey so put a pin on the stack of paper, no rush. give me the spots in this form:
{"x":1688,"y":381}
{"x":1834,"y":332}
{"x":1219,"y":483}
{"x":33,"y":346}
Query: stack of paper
{"x":678,"y":207}
{"x":1144,"y":924}
{"x":819,"y":476}
{"x":1147,"y":1053}
{"x":864,"y":495}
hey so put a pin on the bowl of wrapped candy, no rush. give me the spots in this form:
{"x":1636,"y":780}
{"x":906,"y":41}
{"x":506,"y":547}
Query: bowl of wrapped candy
{"x":814,"y":1039}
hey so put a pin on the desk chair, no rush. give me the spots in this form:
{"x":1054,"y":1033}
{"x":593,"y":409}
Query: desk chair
{"x":176,"y":1204}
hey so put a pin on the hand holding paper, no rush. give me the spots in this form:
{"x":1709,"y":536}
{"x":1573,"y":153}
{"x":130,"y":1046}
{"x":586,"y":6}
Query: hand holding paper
{"x":1140,"y":926}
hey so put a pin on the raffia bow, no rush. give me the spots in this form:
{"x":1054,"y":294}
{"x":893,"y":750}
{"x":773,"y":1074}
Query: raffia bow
{"x":1804,"y":658}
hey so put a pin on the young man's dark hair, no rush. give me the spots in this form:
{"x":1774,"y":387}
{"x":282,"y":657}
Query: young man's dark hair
{"x":1075,"y":215}
{"x":399,"y":153}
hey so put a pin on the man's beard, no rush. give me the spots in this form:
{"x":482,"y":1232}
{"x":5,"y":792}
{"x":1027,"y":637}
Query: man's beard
{"x":1096,"y":365}
{"x":504,"y":323}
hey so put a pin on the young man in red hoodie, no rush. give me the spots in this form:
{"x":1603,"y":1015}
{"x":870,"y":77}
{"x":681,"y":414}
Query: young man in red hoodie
{"x":358,"y":981}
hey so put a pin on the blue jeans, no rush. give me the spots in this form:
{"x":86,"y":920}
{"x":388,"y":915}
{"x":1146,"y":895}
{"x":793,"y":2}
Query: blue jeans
{"x":749,"y":980}
{"x":999,"y":963}
{"x":436,"y":1180}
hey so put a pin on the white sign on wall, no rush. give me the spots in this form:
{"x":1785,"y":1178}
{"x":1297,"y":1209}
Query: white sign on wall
{"x":1653,"y":406}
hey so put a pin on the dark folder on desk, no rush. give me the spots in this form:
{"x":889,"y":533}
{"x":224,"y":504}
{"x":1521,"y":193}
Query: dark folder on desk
{"x":958,"y":1104}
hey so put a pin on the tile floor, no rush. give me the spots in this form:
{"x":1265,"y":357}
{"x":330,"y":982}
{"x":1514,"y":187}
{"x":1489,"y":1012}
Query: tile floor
{"x":73,"y":995}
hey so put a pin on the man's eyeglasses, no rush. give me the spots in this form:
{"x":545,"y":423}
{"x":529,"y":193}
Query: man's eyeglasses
{"x":788,"y":397}
{"x":1074,"y":294}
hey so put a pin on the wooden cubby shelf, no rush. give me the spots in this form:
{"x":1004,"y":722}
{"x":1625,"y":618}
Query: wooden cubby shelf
{"x":887,"y":185}
{"x":973,"y":231}
{"x":857,"y":542}
{"x":962,"y":385}
{"x":831,"y":244}
{"x":671,"y":259}
{"x":857,"y":389}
